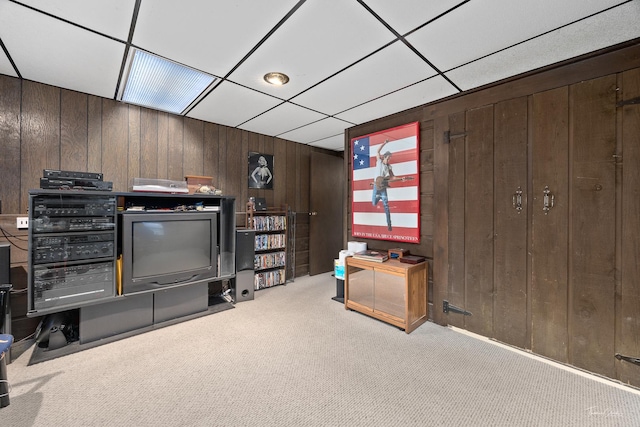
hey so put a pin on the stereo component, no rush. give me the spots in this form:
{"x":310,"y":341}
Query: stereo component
{"x":51,"y":173}
{"x":77,"y":184}
{"x":73,"y":206}
{"x":54,"y":286}
{"x":49,"y":249}
{"x":57,"y":225}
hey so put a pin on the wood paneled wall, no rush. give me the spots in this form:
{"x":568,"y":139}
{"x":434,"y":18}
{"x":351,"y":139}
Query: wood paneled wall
{"x":576,"y":122}
{"x":46,"y":127}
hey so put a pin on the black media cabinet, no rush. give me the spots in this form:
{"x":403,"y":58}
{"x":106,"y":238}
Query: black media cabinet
{"x":74,"y":244}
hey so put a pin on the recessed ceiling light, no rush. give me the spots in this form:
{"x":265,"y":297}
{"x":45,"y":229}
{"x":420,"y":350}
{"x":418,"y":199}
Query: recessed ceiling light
{"x":277,"y":79}
{"x":161,"y":84}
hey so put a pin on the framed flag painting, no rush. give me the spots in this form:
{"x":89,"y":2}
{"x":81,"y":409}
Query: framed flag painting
{"x":385,"y":184}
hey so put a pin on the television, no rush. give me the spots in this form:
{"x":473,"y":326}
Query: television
{"x":167,"y":249}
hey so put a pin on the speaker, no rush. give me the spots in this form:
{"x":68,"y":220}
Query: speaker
{"x":5,"y":263}
{"x":244,"y":281}
{"x":5,"y":288}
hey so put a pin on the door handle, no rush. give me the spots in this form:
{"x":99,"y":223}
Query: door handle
{"x":314,"y":213}
{"x":516,"y":200}
{"x":548,"y":200}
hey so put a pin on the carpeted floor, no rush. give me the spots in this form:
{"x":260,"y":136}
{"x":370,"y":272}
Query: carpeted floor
{"x":295,"y":357}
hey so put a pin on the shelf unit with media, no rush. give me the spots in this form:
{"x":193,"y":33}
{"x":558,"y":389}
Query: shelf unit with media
{"x":274,"y":240}
{"x":80,"y":250}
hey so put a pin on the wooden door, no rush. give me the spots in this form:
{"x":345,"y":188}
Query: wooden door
{"x":511,"y":214}
{"x":592,"y":225}
{"x":543,"y":276}
{"x":487,"y":234}
{"x":628,"y":308}
{"x":549,"y":228}
{"x":326,"y":221}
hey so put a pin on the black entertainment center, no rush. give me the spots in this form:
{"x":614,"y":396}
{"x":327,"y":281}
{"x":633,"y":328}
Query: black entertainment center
{"x":123,"y":263}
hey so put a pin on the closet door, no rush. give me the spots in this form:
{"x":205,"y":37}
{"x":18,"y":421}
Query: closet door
{"x":549,"y":196}
{"x":628,"y":309}
{"x":510,"y":184}
{"x":592,"y":225}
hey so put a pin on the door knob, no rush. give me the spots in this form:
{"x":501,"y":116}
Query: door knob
{"x":314,"y":213}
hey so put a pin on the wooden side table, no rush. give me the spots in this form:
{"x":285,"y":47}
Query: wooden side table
{"x":390,"y":291}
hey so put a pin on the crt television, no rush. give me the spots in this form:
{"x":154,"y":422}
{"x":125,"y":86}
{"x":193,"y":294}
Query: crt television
{"x":165,"y":249}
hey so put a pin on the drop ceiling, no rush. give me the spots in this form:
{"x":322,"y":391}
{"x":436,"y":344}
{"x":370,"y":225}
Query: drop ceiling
{"x":349,"y":61}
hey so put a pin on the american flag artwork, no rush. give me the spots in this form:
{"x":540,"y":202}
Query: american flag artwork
{"x":399,"y":218}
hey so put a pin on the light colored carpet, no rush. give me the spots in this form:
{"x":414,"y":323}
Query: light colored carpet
{"x":295,"y":357}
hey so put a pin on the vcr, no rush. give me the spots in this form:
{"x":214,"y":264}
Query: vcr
{"x":50,"y":249}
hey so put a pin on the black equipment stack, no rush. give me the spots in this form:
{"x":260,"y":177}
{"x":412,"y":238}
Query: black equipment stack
{"x":72,"y":180}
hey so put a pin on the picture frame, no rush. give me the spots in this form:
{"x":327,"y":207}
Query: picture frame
{"x":260,"y":171}
{"x":385,"y":184}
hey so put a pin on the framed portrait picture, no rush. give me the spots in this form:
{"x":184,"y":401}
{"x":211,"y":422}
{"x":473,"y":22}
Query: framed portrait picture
{"x":386,"y":184}
{"x":261,"y":171}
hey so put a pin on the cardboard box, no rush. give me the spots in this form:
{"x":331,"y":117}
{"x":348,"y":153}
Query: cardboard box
{"x":194,"y":182}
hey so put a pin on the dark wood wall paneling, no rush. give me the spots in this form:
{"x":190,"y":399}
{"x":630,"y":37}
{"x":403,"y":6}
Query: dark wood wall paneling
{"x":45,"y":127}
{"x":577,"y":302}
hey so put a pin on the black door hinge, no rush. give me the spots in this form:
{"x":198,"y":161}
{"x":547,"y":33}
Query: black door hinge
{"x":628,"y":102}
{"x":634,"y":360}
{"x":446,"y":307}
{"x":448,"y":136}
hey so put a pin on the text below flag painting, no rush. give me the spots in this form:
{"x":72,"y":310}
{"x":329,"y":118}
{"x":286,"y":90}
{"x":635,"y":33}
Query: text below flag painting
{"x":385,"y":184}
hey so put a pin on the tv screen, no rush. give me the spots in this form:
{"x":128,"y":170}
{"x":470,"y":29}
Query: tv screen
{"x":163,"y":249}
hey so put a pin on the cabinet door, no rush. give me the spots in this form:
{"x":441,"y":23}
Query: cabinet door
{"x":389,"y":293}
{"x":360,"y":286}
{"x":549,"y":228}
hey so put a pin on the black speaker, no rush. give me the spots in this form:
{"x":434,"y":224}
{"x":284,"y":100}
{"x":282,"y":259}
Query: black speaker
{"x":5,"y":263}
{"x":244,"y":281}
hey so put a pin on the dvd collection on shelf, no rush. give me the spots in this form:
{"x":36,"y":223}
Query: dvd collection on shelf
{"x":269,"y":278}
{"x":270,"y":260}
{"x":270,"y":241}
{"x":269,"y":223}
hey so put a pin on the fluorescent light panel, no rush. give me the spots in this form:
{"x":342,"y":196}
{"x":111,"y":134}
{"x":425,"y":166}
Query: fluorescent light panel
{"x":161,"y":84}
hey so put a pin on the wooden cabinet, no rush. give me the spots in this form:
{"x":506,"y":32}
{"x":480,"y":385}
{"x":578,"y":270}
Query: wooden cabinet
{"x":390,"y":291}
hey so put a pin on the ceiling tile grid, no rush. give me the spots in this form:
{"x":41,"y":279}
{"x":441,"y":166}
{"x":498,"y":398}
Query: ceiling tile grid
{"x":231,"y":105}
{"x":599,"y":31}
{"x":108,"y":17}
{"x":320,"y":39}
{"x":211,"y":36}
{"x":317,"y":130}
{"x":345,"y":61}
{"x":281,"y":119}
{"x":392,"y":68}
{"x":50,"y":51}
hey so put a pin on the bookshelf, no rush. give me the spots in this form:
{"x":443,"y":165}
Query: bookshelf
{"x":274,"y":246}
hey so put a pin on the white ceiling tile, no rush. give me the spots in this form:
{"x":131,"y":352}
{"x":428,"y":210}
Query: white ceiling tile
{"x":318,"y":130}
{"x":231,"y":105}
{"x":406,"y":15}
{"x":422,"y":93}
{"x":388,"y":70}
{"x":48,"y":51}
{"x":110,"y":17}
{"x":281,"y":119}
{"x":335,"y":143}
{"x":207,"y":35}
{"x":5,"y":66}
{"x":616,"y":26}
{"x":320,"y":39}
{"x":483,"y":27}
